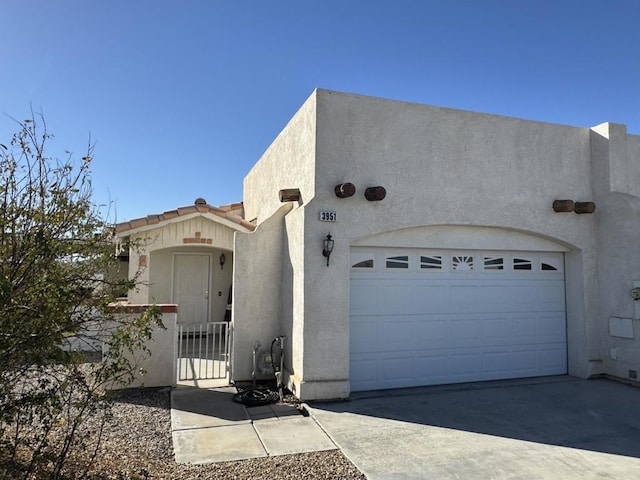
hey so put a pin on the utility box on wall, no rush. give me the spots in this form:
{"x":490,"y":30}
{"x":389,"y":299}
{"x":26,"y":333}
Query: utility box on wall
{"x":621,"y":327}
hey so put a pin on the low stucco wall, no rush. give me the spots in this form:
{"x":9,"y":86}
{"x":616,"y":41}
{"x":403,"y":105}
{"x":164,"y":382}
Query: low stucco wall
{"x":258,"y":290}
{"x":158,"y":369}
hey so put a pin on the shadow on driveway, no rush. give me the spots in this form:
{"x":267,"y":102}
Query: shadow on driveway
{"x":598,"y":415}
{"x":501,"y":429}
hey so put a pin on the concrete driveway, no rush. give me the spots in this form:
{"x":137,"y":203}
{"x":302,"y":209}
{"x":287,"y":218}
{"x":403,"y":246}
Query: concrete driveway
{"x":548,"y":428}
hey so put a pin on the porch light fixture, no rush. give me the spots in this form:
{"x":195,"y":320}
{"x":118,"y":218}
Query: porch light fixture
{"x":327,"y":247}
{"x":222,"y":260}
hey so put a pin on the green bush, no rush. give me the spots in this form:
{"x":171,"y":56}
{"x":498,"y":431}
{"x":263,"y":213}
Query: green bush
{"x":58,"y":277}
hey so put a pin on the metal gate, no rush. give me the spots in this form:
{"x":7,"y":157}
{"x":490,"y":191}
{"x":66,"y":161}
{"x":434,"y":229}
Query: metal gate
{"x":203,"y":351}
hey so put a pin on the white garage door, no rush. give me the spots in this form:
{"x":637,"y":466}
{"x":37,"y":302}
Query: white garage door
{"x":425,"y":317}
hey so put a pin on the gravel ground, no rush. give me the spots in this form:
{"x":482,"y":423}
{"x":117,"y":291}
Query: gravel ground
{"x":137,"y":445}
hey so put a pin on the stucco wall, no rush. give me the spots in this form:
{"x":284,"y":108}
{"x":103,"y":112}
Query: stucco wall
{"x":292,"y":300}
{"x":287,"y":163}
{"x":159,"y":368}
{"x":616,"y":181}
{"x":257,"y":293}
{"x":442,"y":166}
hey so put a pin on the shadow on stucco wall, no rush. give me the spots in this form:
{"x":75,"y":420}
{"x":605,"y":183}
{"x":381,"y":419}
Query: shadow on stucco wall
{"x":286,"y":302}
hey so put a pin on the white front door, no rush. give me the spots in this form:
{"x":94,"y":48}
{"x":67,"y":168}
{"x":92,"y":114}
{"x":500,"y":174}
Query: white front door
{"x":191,"y":286}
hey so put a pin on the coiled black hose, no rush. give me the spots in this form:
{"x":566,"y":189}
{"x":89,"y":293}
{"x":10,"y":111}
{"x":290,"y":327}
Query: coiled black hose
{"x":253,"y":397}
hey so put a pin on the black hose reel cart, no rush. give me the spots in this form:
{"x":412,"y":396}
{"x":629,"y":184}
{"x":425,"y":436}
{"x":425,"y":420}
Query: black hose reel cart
{"x":263,"y":395}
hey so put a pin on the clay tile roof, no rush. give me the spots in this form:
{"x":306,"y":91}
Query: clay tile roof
{"x":171,"y":214}
{"x":232,"y":206}
{"x":223,"y":212}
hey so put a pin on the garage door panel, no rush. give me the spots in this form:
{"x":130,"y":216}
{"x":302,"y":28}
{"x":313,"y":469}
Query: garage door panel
{"x":412,"y":298}
{"x":396,"y":334}
{"x":394,"y":297}
{"x":364,"y":371}
{"x":551,"y":296}
{"x":389,"y":333}
{"x":549,"y":306}
{"x":521,"y":329}
{"x":553,"y":359}
{"x":432,"y":331}
{"x":525,"y":326}
{"x":496,"y":295}
{"x":406,"y":371}
{"x":414,"y":328}
{"x":363,"y":336}
{"x":525,"y":362}
{"x":522,"y":296}
{"x":535,"y":296}
{"x":466,"y":363}
{"x":496,"y":328}
{"x":396,"y":370}
{"x":432,"y":367}
{"x":496,"y":363}
{"x":364,"y":297}
{"x":552,"y":327}
{"x":464,"y":331}
{"x":430,"y":297}
{"x":464,"y":298}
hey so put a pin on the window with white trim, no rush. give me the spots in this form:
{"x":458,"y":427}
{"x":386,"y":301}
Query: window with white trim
{"x":399,"y":261}
{"x":522,"y":263}
{"x":431,"y":262}
{"x":363,"y":264}
{"x":493,"y":263}
{"x":363,"y":260}
{"x":462,"y":263}
{"x":550,"y":263}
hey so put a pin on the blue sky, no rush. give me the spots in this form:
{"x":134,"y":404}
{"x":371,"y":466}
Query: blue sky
{"x":182,"y":97}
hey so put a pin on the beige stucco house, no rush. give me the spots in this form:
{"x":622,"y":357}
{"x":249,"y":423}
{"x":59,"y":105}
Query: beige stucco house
{"x":467,"y":247}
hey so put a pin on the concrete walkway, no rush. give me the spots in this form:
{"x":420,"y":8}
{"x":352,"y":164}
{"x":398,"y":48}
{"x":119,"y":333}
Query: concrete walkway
{"x":208,"y":427}
{"x":549,"y":428}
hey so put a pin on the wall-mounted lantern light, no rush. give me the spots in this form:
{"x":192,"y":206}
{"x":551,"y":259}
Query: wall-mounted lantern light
{"x":327,"y":247}
{"x":375,"y":194}
{"x":222,"y":260}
